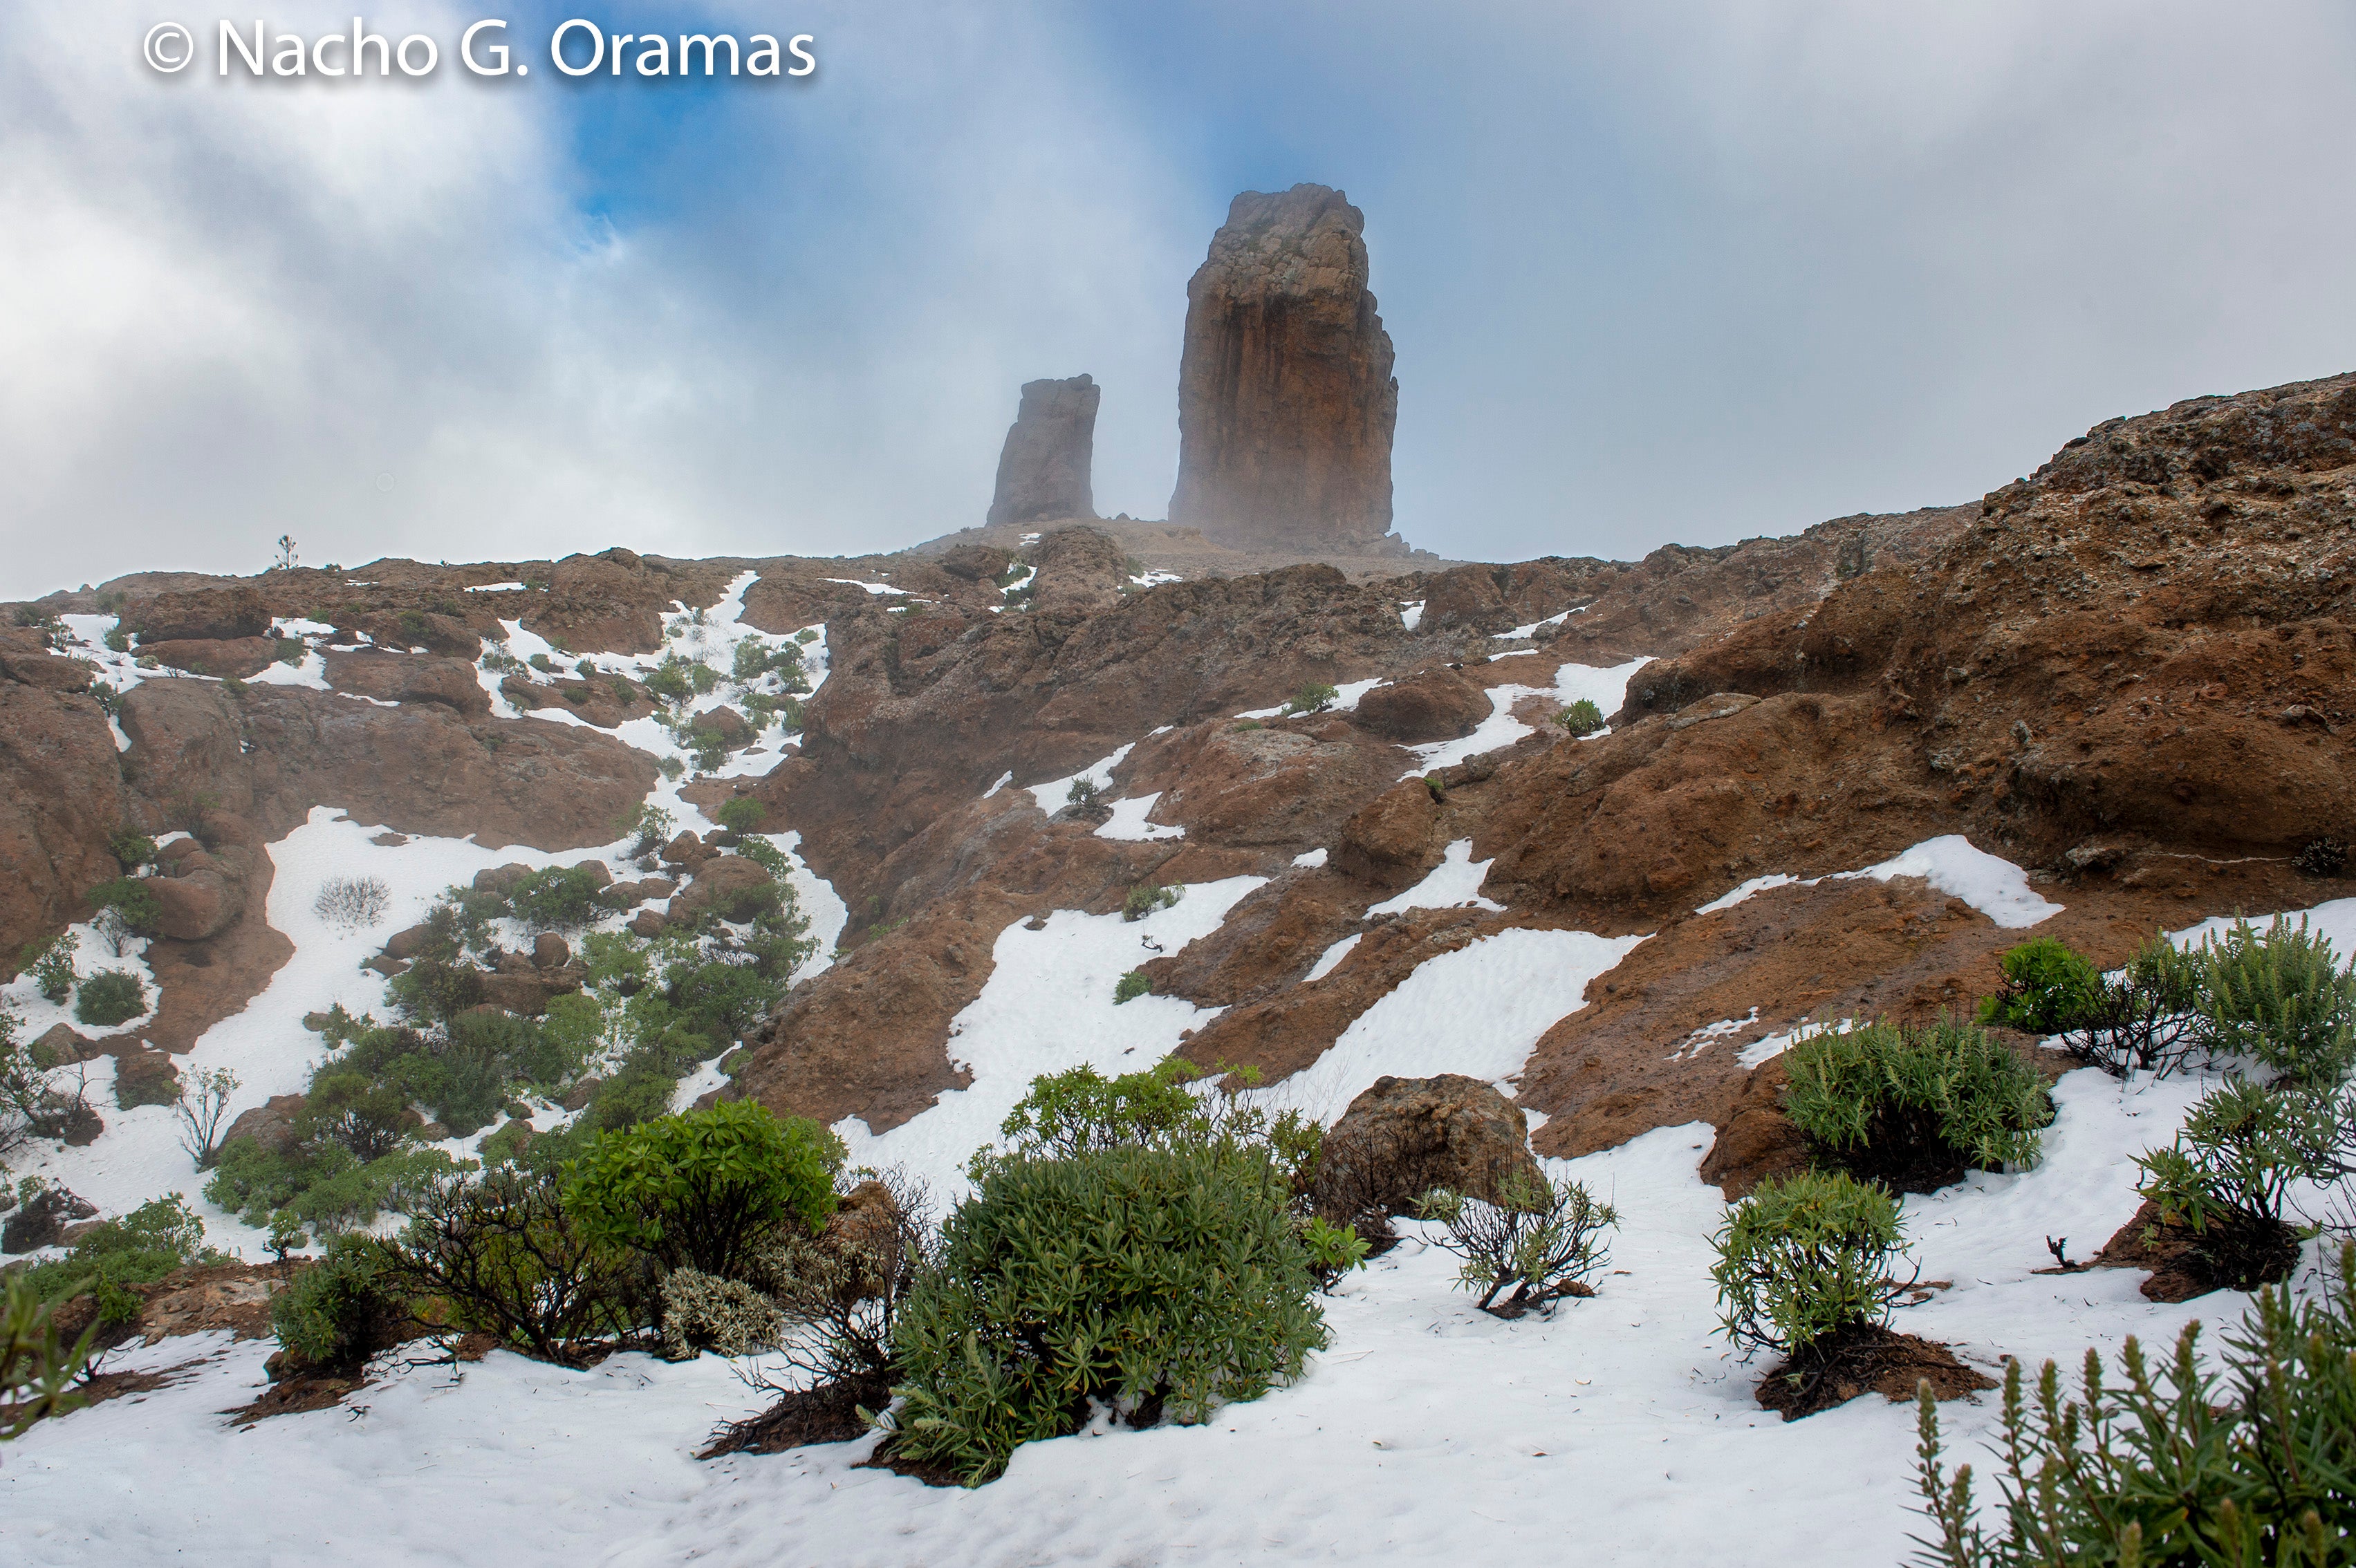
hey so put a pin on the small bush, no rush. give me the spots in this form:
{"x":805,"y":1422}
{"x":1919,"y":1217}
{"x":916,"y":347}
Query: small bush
{"x":1802,"y":1257}
{"x":2047,"y":988}
{"x":2172,"y":1467}
{"x":1543,"y":1240}
{"x":1916,"y":1106}
{"x":38,"y":1375}
{"x":502,"y":1254}
{"x":138,"y":1248}
{"x":2230,"y":1173}
{"x":1132,"y":985}
{"x":671,"y":768}
{"x":131,"y":849}
{"x":1313,"y":698}
{"x":1085,"y":792}
{"x":133,"y":900}
{"x":2322,"y":858}
{"x":703,"y":1313}
{"x":52,"y":966}
{"x":2280,"y":998}
{"x":433,"y":991}
{"x":743,"y":814}
{"x":1160,"y":1282}
{"x":1581,"y":718}
{"x":354,"y":904}
{"x":2147,"y":1019}
{"x":559,"y":898}
{"x":337,"y":1311}
{"x":109,"y":997}
{"x":669,"y":682}
{"x":1146,"y":899}
{"x":700,"y":1189}
{"x":648,"y":826}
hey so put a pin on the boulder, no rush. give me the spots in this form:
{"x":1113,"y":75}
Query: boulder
{"x":735,"y":732}
{"x":1407,"y":1136}
{"x":271,"y":1124}
{"x":729,"y":886}
{"x":1431,"y":705}
{"x":550,"y":951}
{"x":145,"y":1078}
{"x":41,"y":1221}
{"x":1286,"y":401}
{"x":199,"y":614}
{"x":203,"y":900}
{"x":686,"y":849}
{"x":405,"y":678}
{"x":60,"y":1043}
{"x":1044,"y":470}
{"x":232,"y":656}
{"x":648,"y":923}
{"x":409,"y":944}
{"x":501,"y":879}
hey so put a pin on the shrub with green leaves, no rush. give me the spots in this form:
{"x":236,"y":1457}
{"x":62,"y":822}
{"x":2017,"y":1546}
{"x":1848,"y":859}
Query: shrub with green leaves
{"x":743,"y":814}
{"x":648,"y":826}
{"x":2177,"y":1465}
{"x":38,"y":1375}
{"x":2145,"y":1020}
{"x":52,"y":966}
{"x":327,"y":1187}
{"x":1581,"y":718}
{"x":1164,"y":1282}
{"x":1080,"y":1111}
{"x":340,"y":1308}
{"x":1916,"y":1106}
{"x":1538,"y":1242}
{"x":2231,"y":1172}
{"x":1803,"y":1257}
{"x":131,"y":848}
{"x":704,"y":1189}
{"x":1147,"y":898}
{"x":502,"y":1254}
{"x":1130,"y":987}
{"x":1313,"y":697}
{"x":2280,"y":998}
{"x":109,"y":997}
{"x":2047,"y":988}
{"x":130,"y":899}
{"x":1085,"y":792}
{"x":559,"y":898}
{"x":137,"y":1248}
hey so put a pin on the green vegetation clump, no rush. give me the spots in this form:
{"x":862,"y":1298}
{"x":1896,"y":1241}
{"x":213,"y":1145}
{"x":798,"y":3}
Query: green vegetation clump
{"x":139,"y":1248}
{"x":1085,"y":794}
{"x":1130,"y":987}
{"x":109,"y":997}
{"x":753,"y":659}
{"x":337,"y":1310}
{"x":2230,"y":1173}
{"x":2177,"y":1464}
{"x":1163,"y":1281}
{"x":38,"y":1375}
{"x":50,"y":963}
{"x":1581,"y":718}
{"x":1313,"y":698}
{"x":130,"y":899}
{"x":2047,"y":988}
{"x":1916,"y":1106}
{"x":671,"y":683}
{"x":743,"y":814}
{"x":1146,"y":899}
{"x":2279,"y":999}
{"x":130,"y":848}
{"x":559,"y":898}
{"x":1537,"y":1242}
{"x":700,"y":1189}
{"x":1804,"y":1257}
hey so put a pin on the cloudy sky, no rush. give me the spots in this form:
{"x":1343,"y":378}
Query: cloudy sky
{"x":1670,"y":271}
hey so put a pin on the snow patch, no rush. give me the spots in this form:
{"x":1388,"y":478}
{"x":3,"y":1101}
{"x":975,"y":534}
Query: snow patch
{"x":1989,"y":883}
{"x":1456,"y":880}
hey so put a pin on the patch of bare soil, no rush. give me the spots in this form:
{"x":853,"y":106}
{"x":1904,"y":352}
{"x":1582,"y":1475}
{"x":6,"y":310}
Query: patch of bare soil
{"x":1861,"y":1359}
{"x":2182,"y":1268}
{"x":827,"y":1413}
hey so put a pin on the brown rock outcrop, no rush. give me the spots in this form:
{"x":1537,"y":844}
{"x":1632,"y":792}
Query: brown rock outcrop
{"x":233,"y":657}
{"x":1043,"y":471}
{"x":406,"y":677}
{"x":1286,"y":401}
{"x":200,"y":615}
{"x":1407,"y":1136}
{"x":1431,"y":705}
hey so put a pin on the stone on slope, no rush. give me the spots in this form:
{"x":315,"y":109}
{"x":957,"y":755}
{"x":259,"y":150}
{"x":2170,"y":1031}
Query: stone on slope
{"x":1407,"y":1136}
{"x":1043,"y":471}
{"x":1286,"y":401}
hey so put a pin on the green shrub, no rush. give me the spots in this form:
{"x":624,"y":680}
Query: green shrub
{"x":1146,"y":899}
{"x":109,"y":997}
{"x":2171,"y":1468}
{"x":1804,"y":1257}
{"x":1542,"y":1238}
{"x":52,"y":966}
{"x":743,"y":814}
{"x":704,"y":679}
{"x":502,"y":1254}
{"x":1085,"y":792}
{"x":1916,"y":1106}
{"x":38,"y":1375}
{"x":2047,"y":988}
{"x":669,"y":683}
{"x":648,"y":826}
{"x":725,"y":1315}
{"x":723,"y":1000}
{"x":133,"y":900}
{"x":700,"y":1189}
{"x":2145,"y":1020}
{"x":1581,"y":718}
{"x":338,"y":1309}
{"x":365,"y":1118}
{"x":708,"y":749}
{"x":559,"y":898}
{"x":130,"y":848}
{"x":1163,"y":1281}
{"x":2280,"y":998}
{"x":1132,"y":985}
{"x":2230,"y":1172}
{"x":138,"y":1248}
{"x":805,"y":637}
{"x":1313,"y":698}
{"x":753,"y":658}
{"x":671,"y":768}
{"x":432,"y":991}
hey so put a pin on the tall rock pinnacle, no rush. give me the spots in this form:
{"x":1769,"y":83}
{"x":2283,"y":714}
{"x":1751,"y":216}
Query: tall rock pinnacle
{"x":1044,"y":469}
{"x":1286,"y":401}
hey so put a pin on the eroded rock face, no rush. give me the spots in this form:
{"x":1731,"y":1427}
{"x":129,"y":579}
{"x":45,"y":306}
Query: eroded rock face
{"x":1045,"y":469}
{"x":1407,"y":1136}
{"x":1286,"y":401}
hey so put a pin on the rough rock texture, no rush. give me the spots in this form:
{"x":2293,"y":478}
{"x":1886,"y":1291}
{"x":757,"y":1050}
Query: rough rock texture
{"x":1407,"y":1136}
{"x":60,"y":791}
{"x":271,"y":1124}
{"x":1043,"y":471}
{"x":1432,"y":705}
{"x":1286,"y":401}
{"x":40,"y":1222}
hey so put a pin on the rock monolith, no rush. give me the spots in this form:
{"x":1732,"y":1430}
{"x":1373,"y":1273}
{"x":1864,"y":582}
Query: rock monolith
{"x":1044,"y":469}
{"x":1286,"y":401}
